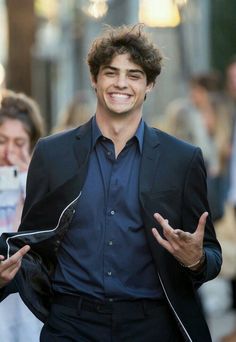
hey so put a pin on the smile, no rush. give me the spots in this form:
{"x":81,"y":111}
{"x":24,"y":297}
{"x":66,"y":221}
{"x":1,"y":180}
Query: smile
{"x":120,"y":96}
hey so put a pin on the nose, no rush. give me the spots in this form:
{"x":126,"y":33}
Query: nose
{"x":121,"y":81}
{"x":9,"y":148}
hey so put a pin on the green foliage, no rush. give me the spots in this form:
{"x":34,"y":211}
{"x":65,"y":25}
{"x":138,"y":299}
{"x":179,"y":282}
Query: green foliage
{"x":223,"y":32}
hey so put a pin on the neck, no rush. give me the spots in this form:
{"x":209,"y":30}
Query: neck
{"x":118,"y":128}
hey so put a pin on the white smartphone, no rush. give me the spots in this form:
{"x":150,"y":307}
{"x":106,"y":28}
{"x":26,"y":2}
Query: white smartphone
{"x":9,"y":178}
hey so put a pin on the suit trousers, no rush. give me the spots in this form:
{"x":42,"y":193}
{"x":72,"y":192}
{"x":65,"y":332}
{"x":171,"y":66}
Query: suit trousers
{"x":76,"y":319}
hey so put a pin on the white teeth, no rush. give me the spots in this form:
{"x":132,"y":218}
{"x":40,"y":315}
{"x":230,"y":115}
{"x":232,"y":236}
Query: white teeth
{"x":120,"y":95}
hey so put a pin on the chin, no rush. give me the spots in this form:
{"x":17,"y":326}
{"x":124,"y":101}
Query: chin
{"x":120,"y":111}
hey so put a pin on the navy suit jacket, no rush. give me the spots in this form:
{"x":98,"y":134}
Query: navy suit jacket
{"x":172,"y":182}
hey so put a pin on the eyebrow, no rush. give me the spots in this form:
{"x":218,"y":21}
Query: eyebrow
{"x":129,"y":70}
{"x":2,"y":135}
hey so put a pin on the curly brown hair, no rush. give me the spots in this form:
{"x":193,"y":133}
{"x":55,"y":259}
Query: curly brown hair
{"x":18,"y":106}
{"x":121,"y":40}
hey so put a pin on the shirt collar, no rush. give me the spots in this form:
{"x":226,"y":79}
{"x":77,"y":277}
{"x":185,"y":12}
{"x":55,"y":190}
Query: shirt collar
{"x":96,"y":133}
{"x":140,"y":134}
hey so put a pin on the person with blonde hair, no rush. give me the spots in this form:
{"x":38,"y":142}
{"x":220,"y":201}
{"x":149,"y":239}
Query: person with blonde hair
{"x":76,"y":113}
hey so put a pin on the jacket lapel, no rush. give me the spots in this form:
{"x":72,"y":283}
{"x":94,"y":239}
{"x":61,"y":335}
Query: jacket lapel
{"x":82,"y":145}
{"x":149,"y":161}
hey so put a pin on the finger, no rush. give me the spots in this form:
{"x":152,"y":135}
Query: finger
{"x":170,"y":234}
{"x":12,"y":158}
{"x":163,"y":222}
{"x":8,"y":274}
{"x":11,"y":268}
{"x":201,"y":224}
{"x":183,"y":236}
{"x":164,"y":243}
{"x":159,"y":218}
{"x":21,"y":252}
{"x":15,"y":258}
{"x":14,"y":271}
{"x":25,"y":155}
{"x":17,"y":161}
{"x":168,"y":231}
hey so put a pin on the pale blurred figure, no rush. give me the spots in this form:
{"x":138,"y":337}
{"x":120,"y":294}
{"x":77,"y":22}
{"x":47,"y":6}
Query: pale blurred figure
{"x":231,"y":92}
{"x":21,"y":125}
{"x":203,"y":120}
{"x":78,"y":112}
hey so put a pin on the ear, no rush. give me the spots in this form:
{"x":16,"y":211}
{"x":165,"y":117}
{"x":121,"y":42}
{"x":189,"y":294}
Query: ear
{"x":149,"y":87}
{"x":93,"y":82}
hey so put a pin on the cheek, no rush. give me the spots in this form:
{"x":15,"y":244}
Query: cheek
{"x":22,"y":149}
{"x":2,"y":155}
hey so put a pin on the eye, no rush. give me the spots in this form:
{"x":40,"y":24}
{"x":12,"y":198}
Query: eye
{"x":20,"y":143}
{"x":134,"y":76}
{"x":2,"y":140}
{"x":110,"y":73}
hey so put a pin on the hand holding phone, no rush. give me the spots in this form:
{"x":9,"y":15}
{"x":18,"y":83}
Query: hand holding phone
{"x":21,"y":161}
{"x":9,"y":178}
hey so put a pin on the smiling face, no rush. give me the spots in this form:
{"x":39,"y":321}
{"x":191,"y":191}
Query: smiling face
{"x":14,"y":140}
{"x":121,"y":87}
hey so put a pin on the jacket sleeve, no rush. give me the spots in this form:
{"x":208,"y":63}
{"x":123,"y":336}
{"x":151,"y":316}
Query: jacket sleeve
{"x":195,"y":203}
{"x":5,"y":291}
{"x":37,"y":178}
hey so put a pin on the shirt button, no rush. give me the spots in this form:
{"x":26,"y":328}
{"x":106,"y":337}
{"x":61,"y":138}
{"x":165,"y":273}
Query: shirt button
{"x":109,"y":153}
{"x":110,"y":243}
{"x":110,"y":300}
{"x":109,"y":273}
{"x":112,"y":212}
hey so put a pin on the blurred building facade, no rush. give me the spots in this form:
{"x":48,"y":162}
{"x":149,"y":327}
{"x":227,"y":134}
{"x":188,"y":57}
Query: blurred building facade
{"x":66,"y":28}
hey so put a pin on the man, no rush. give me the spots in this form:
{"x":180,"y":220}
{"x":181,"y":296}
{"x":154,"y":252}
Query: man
{"x":97,"y":269}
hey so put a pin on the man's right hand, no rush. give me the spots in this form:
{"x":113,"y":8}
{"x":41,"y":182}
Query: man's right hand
{"x":9,"y":267}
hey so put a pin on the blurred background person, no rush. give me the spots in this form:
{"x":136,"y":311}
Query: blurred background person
{"x":231,"y":91}
{"x":21,"y":125}
{"x":203,"y":120}
{"x":78,"y":112}
{"x":230,"y":78}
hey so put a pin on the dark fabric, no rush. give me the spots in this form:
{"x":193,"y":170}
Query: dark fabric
{"x":108,"y":218}
{"x":138,"y":321}
{"x":124,"y":307}
{"x":216,"y":196}
{"x":233,"y":284}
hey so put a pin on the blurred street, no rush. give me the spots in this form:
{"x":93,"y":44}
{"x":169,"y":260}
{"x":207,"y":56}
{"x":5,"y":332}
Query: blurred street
{"x":216,"y":298}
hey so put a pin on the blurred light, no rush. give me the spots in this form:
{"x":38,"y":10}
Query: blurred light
{"x":96,"y":8}
{"x":2,"y":74}
{"x":181,"y":3}
{"x":47,"y":9}
{"x":159,"y":13}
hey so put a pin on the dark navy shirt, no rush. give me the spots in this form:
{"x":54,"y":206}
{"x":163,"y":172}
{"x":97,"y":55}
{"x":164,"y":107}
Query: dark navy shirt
{"x":105,"y":253}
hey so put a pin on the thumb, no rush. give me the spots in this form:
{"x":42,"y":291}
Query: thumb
{"x":201,"y":224}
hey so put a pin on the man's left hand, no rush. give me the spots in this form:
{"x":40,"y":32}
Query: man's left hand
{"x":186,"y":247}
